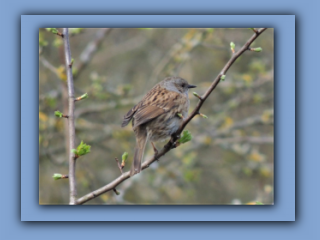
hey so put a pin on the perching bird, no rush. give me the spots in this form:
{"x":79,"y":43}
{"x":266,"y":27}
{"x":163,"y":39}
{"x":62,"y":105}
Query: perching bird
{"x":158,"y":115}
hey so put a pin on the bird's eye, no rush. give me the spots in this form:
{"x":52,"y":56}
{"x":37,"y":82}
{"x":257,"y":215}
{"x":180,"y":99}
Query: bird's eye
{"x":183,"y":85}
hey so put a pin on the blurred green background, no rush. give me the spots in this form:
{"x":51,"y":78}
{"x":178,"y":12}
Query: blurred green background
{"x":228,"y":161}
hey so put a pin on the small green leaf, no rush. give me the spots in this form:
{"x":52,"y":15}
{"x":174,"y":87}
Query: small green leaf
{"x":124,"y":156}
{"x":58,"y":114}
{"x":186,"y":137}
{"x":83,"y":149}
{"x":179,"y":115}
{"x":57,"y":176}
{"x":223,"y":77}
{"x":74,"y":151}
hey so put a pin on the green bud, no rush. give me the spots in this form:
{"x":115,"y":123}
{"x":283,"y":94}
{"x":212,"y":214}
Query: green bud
{"x":196,"y":95}
{"x":258,"y":49}
{"x":232,"y":46}
{"x":179,"y":115}
{"x":58,"y":114}
{"x":72,"y":61}
{"x":186,"y":137}
{"x":57,"y":176}
{"x":84,"y":96}
{"x":124,"y":156}
{"x":223,"y":77}
{"x":259,"y":203}
{"x":202,"y":115}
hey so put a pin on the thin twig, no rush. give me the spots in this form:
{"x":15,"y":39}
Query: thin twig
{"x":49,"y":66}
{"x":72,"y":159}
{"x":173,"y":139}
{"x":116,"y":192}
{"x":119,"y":165}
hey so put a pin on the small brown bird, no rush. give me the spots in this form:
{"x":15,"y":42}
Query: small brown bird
{"x":158,"y":115}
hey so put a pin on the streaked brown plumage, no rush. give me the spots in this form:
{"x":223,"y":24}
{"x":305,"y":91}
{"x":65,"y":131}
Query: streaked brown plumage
{"x":155,"y":117}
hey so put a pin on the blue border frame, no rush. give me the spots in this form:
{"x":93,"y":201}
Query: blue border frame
{"x":284,"y":208}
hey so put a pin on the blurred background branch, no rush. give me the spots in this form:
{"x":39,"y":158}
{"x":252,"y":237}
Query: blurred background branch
{"x":87,"y":54}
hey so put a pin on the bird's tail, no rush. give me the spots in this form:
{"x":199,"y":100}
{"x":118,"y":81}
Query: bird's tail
{"x":141,"y":138}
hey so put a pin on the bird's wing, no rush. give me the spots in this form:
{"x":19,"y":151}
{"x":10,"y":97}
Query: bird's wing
{"x":154,"y":105}
{"x":146,"y":113}
{"x":156,"y":102}
{"x":129,"y":115}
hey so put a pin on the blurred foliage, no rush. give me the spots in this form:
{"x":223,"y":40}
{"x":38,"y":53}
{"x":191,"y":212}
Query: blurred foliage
{"x":230,"y":157}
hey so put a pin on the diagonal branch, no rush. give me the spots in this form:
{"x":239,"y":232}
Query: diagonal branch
{"x":171,"y":143}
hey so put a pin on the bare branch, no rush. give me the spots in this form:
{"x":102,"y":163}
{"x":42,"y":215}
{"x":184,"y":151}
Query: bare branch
{"x":72,"y":160}
{"x":119,"y":165}
{"x":171,"y":143}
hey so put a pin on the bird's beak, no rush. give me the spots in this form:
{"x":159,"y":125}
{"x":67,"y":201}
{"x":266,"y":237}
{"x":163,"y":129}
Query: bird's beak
{"x":192,"y":86}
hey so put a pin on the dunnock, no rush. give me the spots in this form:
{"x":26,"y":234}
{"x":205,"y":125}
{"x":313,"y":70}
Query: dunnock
{"x":158,"y":115}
